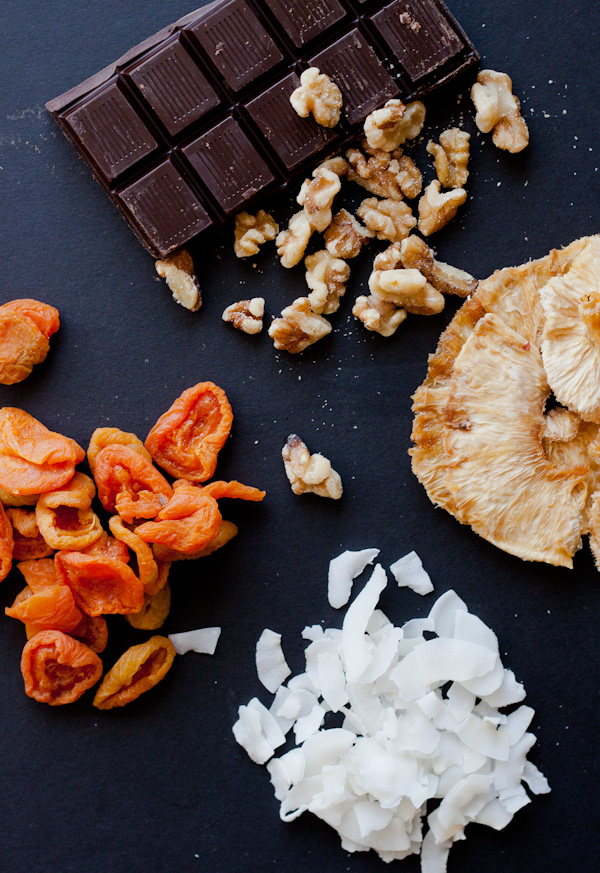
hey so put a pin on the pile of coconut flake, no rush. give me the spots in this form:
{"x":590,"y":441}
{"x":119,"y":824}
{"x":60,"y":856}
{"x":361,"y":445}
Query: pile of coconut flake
{"x":419,"y":706}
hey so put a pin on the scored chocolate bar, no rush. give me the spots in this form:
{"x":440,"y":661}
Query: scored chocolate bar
{"x":196,"y":122}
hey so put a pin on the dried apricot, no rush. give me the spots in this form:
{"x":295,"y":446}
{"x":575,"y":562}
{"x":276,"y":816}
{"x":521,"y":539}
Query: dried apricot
{"x":218,"y":489}
{"x":22,"y":346}
{"x":147,"y":568}
{"x":9,"y":500}
{"x":186,"y":440}
{"x":100,"y":586}
{"x":136,"y":671}
{"x":58,"y":669}
{"x":29,"y":544}
{"x":111,"y":436}
{"x":130,"y":484}
{"x":65,"y":517}
{"x":108,"y":547}
{"x":154,"y":611}
{"x":6,"y":545}
{"x":92,"y":630}
{"x":38,"y":574}
{"x":227,"y":531}
{"x":188,"y":523}
{"x":51,"y":609}
{"x":33,"y":459}
{"x":44,"y":316}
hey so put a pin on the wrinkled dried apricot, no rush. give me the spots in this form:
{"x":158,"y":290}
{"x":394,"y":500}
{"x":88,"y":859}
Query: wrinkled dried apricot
{"x":58,"y":669}
{"x":65,"y":517}
{"x":189,"y":521}
{"x":108,"y":547}
{"x":186,"y":440}
{"x":6,"y":545}
{"x":22,"y":346}
{"x":236,"y":490}
{"x":130,"y":484}
{"x":227,"y":531}
{"x":51,"y":609}
{"x":9,"y":500}
{"x":154,"y":611}
{"x":111,"y":436}
{"x":147,"y":568}
{"x":38,"y":574}
{"x":29,"y":544}
{"x":100,"y":586}
{"x":92,"y":630}
{"x":33,"y":459}
{"x":45,"y":317}
{"x":138,"y":670}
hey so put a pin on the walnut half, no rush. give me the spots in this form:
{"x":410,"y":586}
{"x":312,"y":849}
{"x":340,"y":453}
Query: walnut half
{"x":345,"y":236}
{"x":437,"y":209}
{"x":378,"y":315}
{"x":414,"y":253}
{"x":310,"y":473}
{"x":499,"y":110}
{"x":178,"y":271}
{"x":318,"y":95}
{"x":246,"y":315}
{"x":298,"y":327}
{"x":389,"y":219}
{"x":391,"y":126}
{"x":407,"y":289}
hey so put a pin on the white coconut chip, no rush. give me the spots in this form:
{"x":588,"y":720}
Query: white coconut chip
{"x":271,"y":665}
{"x":421,"y":722}
{"x":343,"y":570}
{"x":409,"y":573}
{"x":204,"y":641}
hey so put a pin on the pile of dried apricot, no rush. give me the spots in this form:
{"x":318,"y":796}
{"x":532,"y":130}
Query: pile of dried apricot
{"x":76,"y":572}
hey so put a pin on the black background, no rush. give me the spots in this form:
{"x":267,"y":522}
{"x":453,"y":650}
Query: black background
{"x":161,"y":785}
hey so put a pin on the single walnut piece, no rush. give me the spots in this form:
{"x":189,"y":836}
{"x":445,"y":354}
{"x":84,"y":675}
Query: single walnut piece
{"x":318,"y":95}
{"x":326,"y":276}
{"x":389,"y":219}
{"x":316,"y":195}
{"x":451,"y":157}
{"x":251,"y":231}
{"x":416,"y":254}
{"x":437,"y":209}
{"x":178,"y":271}
{"x":378,"y":315}
{"x":298,"y":327}
{"x":291,"y":243}
{"x":246,"y":315}
{"x":345,"y":236}
{"x":310,"y":473}
{"x":499,"y":110}
{"x":386,"y":174}
{"x":408,"y":289}
{"x":337,"y":165}
{"x":389,"y":258}
{"x":391,"y":126}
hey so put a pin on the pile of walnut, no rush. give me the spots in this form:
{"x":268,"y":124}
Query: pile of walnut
{"x":75,"y":572}
{"x":406,"y":277}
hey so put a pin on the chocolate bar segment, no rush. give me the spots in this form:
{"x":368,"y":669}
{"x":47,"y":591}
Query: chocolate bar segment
{"x":174,"y":86}
{"x":236,"y":42}
{"x":303,"y":20}
{"x":229,"y":165}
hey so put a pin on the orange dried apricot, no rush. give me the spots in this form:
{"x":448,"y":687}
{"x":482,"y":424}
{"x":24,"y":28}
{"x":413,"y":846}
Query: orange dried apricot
{"x":92,"y":630}
{"x":188,"y":523}
{"x":147,"y":568}
{"x":100,"y":586}
{"x":111,"y":436}
{"x":38,"y":574}
{"x":51,"y":609}
{"x":33,"y":459}
{"x":58,"y":669}
{"x":236,"y":490}
{"x":6,"y":545}
{"x":45,"y":317}
{"x":130,"y":484}
{"x":186,"y":440}
{"x":108,"y":547}
{"x":22,"y":346}
{"x":136,"y":671}
{"x":154,"y":611}
{"x":29,"y":544}
{"x":227,"y":531}
{"x":9,"y":500}
{"x":65,"y":517}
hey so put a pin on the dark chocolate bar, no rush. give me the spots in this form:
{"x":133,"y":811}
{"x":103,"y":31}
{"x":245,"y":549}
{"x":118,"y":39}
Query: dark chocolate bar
{"x":196,"y":122}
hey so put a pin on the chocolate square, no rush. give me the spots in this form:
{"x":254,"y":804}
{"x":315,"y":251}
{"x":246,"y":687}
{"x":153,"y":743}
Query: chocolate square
{"x":303,"y":20}
{"x":110,"y":131}
{"x":294,"y":139}
{"x":164,"y":208}
{"x":419,"y":34}
{"x":236,"y":42}
{"x":228,"y":164}
{"x":361,"y":77}
{"x":174,"y":86}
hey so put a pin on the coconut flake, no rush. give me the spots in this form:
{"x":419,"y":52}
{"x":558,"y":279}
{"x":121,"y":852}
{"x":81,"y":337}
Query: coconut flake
{"x":203,"y":640}
{"x":343,"y":570}
{"x":271,"y":665}
{"x":409,"y":573}
{"x":356,"y":648}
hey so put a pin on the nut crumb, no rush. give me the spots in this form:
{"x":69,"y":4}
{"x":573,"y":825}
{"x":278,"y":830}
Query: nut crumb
{"x":246,"y":315}
{"x":298,"y":327}
{"x":378,"y":315}
{"x":318,"y":95}
{"x":391,"y":126}
{"x":308,"y":473}
{"x":389,"y":219}
{"x":437,"y":209}
{"x":416,"y":254}
{"x":180,"y":276}
{"x":326,"y":276}
{"x":251,"y":231}
{"x":345,"y":236}
{"x":451,"y":157}
{"x":499,"y":110}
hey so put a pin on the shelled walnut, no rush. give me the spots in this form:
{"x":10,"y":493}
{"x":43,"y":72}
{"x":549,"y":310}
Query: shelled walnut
{"x":291,"y":243}
{"x":246,"y":315}
{"x":499,"y":110}
{"x":392,"y":175}
{"x":345,"y":236}
{"x":393,"y":124}
{"x":326,"y":276}
{"x":407,"y":289}
{"x":451,"y":157}
{"x":378,"y":315}
{"x":337,"y":165}
{"x":180,"y":276}
{"x":298,"y":327}
{"x":317,"y":94}
{"x":437,"y":209}
{"x":389,"y":219}
{"x":310,"y":473}
{"x":317,"y":195}
{"x":415,"y":253}
{"x":251,"y":231}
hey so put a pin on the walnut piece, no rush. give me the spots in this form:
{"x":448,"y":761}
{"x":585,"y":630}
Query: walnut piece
{"x":326,"y":276}
{"x":451,"y":157}
{"x":317,"y":194}
{"x":378,"y":315}
{"x":386,"y":174}
{"x":499,"y":110}
{"x":246,"y":315}
{"x":298,"y":327}
{"x":389,"y":219}
{"x":310,"y":473}
{"x":437,"y":209}
{"x":416,"y":254}
{"x":407,"y":289}
{"x":345,"y":236}
{"x":389,"y":258}
{"x":178,"y":271}
{"x":251,"y":231}
{"x":391,"y":126}
{"x":291,"y":243}
{"x":318,"y":95}
{"x":337,"y":165}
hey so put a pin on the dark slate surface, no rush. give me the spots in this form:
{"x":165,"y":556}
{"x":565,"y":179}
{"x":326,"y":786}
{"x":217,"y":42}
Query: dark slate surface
{"x":161,"y":785}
